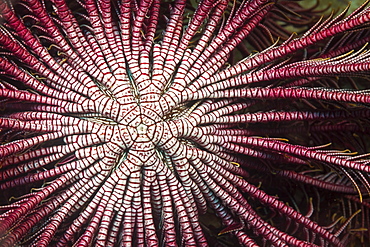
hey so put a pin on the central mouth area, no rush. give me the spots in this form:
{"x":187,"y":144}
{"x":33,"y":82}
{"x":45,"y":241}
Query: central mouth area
{"x":142,"y":129}
{"x":144,"y":137}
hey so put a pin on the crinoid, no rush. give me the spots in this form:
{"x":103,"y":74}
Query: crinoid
{"x":124,"y":122}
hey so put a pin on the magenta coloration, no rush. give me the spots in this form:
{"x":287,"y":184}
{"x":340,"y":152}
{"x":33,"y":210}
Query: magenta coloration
{"x":123,"y":122}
